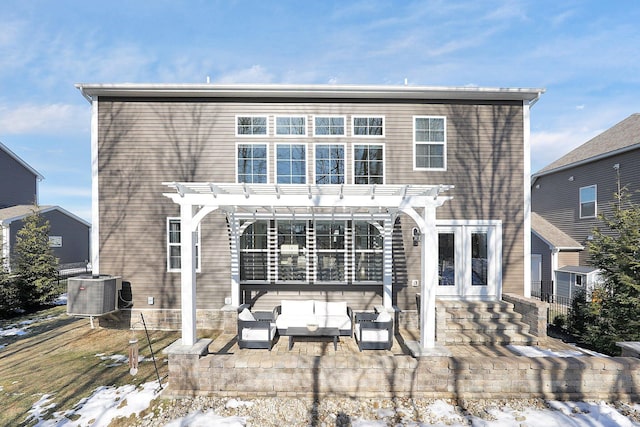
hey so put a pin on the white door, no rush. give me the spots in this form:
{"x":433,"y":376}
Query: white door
{"x":536,"y":273}
{"x":469,"y":259}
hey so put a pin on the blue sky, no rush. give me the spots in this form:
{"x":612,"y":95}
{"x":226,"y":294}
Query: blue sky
{"x":586,"y":54}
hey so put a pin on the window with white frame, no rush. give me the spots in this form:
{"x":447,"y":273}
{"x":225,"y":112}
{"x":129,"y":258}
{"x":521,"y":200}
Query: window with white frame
{"x":254,"y":251}
{"x":291,"y":125}
{"x":368,"y":248}
{"x":430,"y":141}
{"x":173,"y":245}
{"x":251,"y":125}
{"x":330,"y":250}
{"x":252,"y":163}
{"x":368,"y":164}
{"x":588,"y":201}
{"x":291,"y":164}
{"x":330,"y":163}
{"x":368,"y":126}
{"x":328,"y":126}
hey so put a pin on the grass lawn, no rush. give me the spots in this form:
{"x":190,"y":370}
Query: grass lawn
{"x":62,"y":356}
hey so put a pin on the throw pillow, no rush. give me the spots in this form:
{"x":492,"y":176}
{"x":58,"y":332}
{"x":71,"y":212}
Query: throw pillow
{"x":246,"y":315}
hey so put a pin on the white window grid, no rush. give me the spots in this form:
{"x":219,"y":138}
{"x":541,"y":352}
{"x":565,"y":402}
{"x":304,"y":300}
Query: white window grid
{"x":369,"y":126}
{"x":174,"y":248}
{"x":335,"y":123}
{"x":254,"y":126}
{"x":266,"y":160}
{"x":286,"y":123}
{"x":428,"y":137}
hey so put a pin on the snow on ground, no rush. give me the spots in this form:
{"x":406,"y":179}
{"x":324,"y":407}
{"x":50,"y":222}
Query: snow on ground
{"x":99,"y":409}
{"x":108,"y":403}
{"x":533,"y":351}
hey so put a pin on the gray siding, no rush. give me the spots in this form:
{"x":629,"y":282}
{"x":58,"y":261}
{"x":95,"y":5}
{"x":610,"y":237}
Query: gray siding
{"x":17,"y":184}
{"x":75,"y":236}
{"x":557,"y":199}
{"x":144,"y":143}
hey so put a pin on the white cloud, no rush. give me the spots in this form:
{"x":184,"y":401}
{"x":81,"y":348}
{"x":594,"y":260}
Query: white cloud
{"x":254,"y":74}
{"x":44,"y":119}
{"x":548,"y":146}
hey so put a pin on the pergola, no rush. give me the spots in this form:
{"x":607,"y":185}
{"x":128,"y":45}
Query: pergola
{"x":419,"y":202}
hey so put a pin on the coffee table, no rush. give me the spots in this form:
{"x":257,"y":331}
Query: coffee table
{"x":303,"y":331}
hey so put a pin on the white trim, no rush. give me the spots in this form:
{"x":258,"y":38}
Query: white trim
{"x":462,"y":230}
{"x":90,"y":90}
{"x":330,"y":116}
{"x":526,"y":119}
{"x":315,"y":159}
{"x":368,"y":116}
{"x":275,"y":161}
{"x":196,"y":244}
{"x":267,"y":148}
{"x":5,"y":249}
{"x":252,"y":135}
{"x":290,"y":116}
{"x":595,"y":202}
{"x":95,"y":191}
{"x":415,"y":143}
{"x":353,"y":160}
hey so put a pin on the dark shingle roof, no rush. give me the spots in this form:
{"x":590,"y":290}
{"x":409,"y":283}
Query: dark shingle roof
{"x":551,"y":234}
{"x":621,"y":137}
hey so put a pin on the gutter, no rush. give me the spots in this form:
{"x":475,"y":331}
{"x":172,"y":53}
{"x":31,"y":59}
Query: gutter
{"x":84,"y":94}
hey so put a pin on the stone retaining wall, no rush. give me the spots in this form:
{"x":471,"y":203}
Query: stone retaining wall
{"x":378,"y":376}
{"x":534,"y":313}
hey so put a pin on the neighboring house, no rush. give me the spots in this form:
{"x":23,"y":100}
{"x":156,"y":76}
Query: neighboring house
{"x":369,"y":194}
{"x":568,"y":195}
{"x":18,"y":180}
{"x":69,"y":235}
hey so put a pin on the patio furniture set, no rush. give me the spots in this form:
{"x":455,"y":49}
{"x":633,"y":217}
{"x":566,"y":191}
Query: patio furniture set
{"x":313,"y":318}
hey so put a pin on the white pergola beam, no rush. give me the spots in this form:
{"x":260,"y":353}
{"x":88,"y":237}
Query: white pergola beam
{"x":196,"y":200}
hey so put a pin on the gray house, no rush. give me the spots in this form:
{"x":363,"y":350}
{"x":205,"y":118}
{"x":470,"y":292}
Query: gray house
{"x":568,"y":195}
{"x":69,"y":235}
{"x":210,"y":196}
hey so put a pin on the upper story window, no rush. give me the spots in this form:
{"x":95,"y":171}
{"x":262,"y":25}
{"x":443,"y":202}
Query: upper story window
{"x":430,"y":142}
{"x":173,"y":245}
{"x":330,"y":163}
{"x":252,"y":163}
{"x":291,"y":125}
{"x":328,"y":126}
{"x":588,"y":201}
{"x":368,"y":164}
{"x":291,"y":164}
{"x":368,"y":126}
{"x":251,"y":125}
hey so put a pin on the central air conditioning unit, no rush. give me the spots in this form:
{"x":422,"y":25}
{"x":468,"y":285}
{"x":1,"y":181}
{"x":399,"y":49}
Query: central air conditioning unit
{"x":93,"y":295}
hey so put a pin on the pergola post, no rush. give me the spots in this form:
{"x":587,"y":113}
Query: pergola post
{"x":234,"y":227}
{"x":387,"y":271}
{"x":429,"y":276}
{"x":188,"y":274}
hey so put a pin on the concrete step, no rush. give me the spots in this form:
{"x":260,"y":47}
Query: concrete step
{"x":492,"y":338}
{"x":486,"y":325}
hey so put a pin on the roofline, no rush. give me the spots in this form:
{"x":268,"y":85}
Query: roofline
{"x":91,"y":90}
{"x":42,"y":210}
{"x":22,"y":162}
{"x":585,"y":161}
{"x":552,"y":246}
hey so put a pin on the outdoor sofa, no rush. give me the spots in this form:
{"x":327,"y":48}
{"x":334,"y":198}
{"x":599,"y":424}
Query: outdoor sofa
{"x":314,"y":313}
